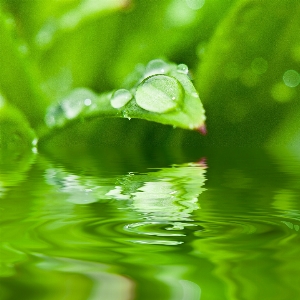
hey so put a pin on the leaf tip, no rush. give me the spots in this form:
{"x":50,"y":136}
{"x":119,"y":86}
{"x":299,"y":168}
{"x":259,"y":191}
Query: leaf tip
{"x":202,"y":129}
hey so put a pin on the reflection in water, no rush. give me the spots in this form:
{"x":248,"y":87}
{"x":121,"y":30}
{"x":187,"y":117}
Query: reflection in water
{"x":104,"y":281}
{"x":165,"y":198}
{"x":76,"y":235}
{"x":13,"y":168}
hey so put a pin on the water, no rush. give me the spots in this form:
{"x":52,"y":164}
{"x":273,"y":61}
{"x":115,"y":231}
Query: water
{"x":223,"y":227}
{"x":69,"y":107}
{"x":160,"y":93}
{"x":120,"y":98}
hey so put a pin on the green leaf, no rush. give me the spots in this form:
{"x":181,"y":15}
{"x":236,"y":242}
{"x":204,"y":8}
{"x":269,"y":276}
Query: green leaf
{"x":16,"y":143}
{"x":15,"y":131}
{"x":85,"y":11}
{"x":19,"y":80}
{"x":161,"y":92}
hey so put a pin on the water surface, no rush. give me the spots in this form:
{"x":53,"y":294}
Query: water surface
{"x":223,"y":226}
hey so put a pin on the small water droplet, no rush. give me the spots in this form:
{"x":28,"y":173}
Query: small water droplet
{"x":182,"y":68}
{"x":194,"y":94}
{"x":55,"y":116}
{"x":87,"y":102}
{"x":125,"y":115}
{"x":291,"y":78}
{"x":120,"y":98}
{"x":34,"y":142}
{"x":159,"y":93}
{"x":156,"y":66}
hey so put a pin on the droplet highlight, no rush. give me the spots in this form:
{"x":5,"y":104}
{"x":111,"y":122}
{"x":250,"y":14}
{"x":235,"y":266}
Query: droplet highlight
{"x":120,"y":98}
{"x":159,"y":94}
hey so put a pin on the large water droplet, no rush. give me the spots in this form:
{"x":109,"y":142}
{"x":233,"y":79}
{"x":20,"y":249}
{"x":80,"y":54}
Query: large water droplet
{"x":120,"y":98}
{"x":160,"y":94}
{"x":182,"y":68}
{"x":156,"y":66}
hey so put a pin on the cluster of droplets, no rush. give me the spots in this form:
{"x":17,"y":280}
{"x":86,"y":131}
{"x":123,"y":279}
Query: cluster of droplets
{"x":69,"y":107}
{"x":157,"y":92}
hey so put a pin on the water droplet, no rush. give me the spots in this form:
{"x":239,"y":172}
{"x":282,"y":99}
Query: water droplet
{"x":87,"y":102}
{"x":120,"y":98}
{"x":74,"y":103}
{"x":34,"y":150}
{"x":55,"y":116}
{"x":156,"y":66}
{"x":160,"y":94}
{"x":125,"y":115}
{"x":194,"y":94}
{"x":291,"y":78}
{"x":195,"y":4}
{"x":34,"y":142}
{"x":69,"y":107}
{"x":182,"y":68}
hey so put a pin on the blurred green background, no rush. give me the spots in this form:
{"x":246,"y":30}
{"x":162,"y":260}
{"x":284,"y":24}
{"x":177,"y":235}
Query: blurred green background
{"x":243,"y":55}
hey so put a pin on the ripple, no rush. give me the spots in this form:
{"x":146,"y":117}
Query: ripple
{"x":151,"y":228}
{"x":158,"y":242}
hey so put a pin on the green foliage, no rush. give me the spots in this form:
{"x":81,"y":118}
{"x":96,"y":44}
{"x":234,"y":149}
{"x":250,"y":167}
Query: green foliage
{"x":248,"y":77}
{"x":162,"y":93}
{"x":16,"y":134}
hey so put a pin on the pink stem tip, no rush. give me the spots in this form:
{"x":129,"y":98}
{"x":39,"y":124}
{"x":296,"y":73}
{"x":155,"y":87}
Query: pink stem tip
{"x":202,"y":129}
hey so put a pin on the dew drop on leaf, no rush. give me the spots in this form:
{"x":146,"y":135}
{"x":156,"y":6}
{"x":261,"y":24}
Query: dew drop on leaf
{"x":160,"y":94}
{"x":69,"y":107}
{"x":74,"y":103}
{"x":182,"y":68}
{"x":156,"y":66}
{"x":120,"y":98}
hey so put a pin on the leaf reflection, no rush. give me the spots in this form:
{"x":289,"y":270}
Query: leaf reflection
{"x":166,"y":194}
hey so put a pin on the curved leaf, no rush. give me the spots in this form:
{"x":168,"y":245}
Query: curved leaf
{"x":18,"y":77}
{"x":160,"y":92}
